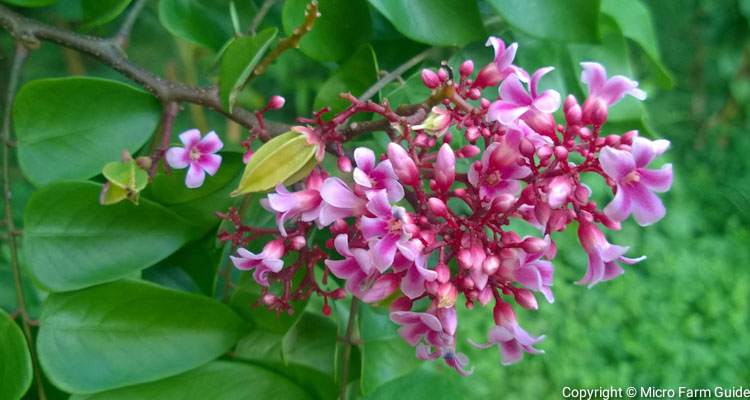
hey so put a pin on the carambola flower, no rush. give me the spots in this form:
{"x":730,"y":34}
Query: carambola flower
{"x":198,"y":155}
{"x":269,"y":260}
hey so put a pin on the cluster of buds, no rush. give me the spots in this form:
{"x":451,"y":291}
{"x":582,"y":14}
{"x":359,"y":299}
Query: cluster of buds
{"x":427,"y":224}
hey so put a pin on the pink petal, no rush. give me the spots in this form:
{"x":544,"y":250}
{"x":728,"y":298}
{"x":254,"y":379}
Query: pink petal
{"x":511,"y":352}
{"x":505,"y":112}
{"x":548,"y":101}
{"x":382,"y":288}
{"x":336,"y":193}
{"x":534,"y":83}
{"x":274,"y":264}
{"x":341,"y":243}
{"x":373,"y":227}
{"x":384,"y":171}
{"x":594,"y":75}
{"x":647,"y":207}
{"x":361,"y":178}
{"x":379,"y":204}
{"x":177,"y":157}
{"x":512,"y":91}
{"x":412,"y":284}
{"x":343,"y":269}
{"x":617,"y":87}
{"x":210,"y":163}
{"x":384,"y":252}
{"x":529,"y":276}
{"x":658,"y":180}
{"x":594,"y":273}
{"x":504,"y":61}
{"x":364,"y":158}
{"x":645,"y":150}
{"x":620,"y":207}
{"x":190,"y":138}
{"x":195,"y":176}
{"x":394,"y":189}
{"x":210,"y":143}
{"x":612,"y":271}
{"x":329,"y":213}
{"x":616,"y":163}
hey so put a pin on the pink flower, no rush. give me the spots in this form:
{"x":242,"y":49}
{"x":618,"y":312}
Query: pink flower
{"x":376,"y":177}
{"x":445,"y":167}
{"x":433,"y":334}
{"x":304,"y":204}
{"x":417,"y":273}
{"x":512,"y":340}
{"x":605,"y":92}
{"x":357,"y":268}
{"x":498,"y":172}
{"x":339,"y":201}
{"x":388,"y":231}
{"x":635,"y":183}
{"x":198,"y":154}
{"x":436,"y":123}
{"x":313,"y":138}
{"x":603,"y":256}
{"x":535,"y":273}
{"x":502,"y":65}
{"x":269,"y":260}
{"x":515,"y":102}
{"x":403,"y":165}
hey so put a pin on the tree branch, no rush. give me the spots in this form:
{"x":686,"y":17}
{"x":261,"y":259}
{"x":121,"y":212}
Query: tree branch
{"x":15,"y":71}
{"x":374,"y":89}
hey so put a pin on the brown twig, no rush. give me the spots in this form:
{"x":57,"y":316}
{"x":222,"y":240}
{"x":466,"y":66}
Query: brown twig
{"x":15,"y":71}
{"x":169,"y":113}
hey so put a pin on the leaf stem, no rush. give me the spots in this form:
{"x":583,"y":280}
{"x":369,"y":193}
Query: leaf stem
{"x":168,"y":116}
{"x":348,"y":340}
{"x":123,"y":34}
{"x":258,"y":18}
{"x":15,"y":71}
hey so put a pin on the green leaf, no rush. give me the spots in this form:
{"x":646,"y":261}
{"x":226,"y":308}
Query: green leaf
{"x":204,"y":22}
{"x":68,"y":128}
{"x":30,"y":3}
{"x":245,"y":300}
{"x":420,"y":385}
{"x":70,"y":241}
{"x":342,"y":27}
{"x":219,"y":380}
{"x":192,"y":268}
{"x":239,"y":61}
{"x":15,"y":361}
{"x":564,"y":21}
{"x":634,"y":19}
{"x":99,"y":12}
{"x":275,"y":162}
{"x":385,"y":355}
{"x":435,"y":22}
{"x":130,"y":332}
{"x":356,"y":75}
{"x":198,"y":205}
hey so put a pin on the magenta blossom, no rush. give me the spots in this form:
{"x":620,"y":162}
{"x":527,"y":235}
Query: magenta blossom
{"x":535,"y":273}
{"x":417,"y":272}
{"x":313,"y":138}
{"x":498,"y":172}
{"x":515,"y":102}
{"x":388,"y":231}
{"x":339,"y":201}
{"x":635,"y":183}
{"x":433,"y":334}
{"x":269,"y":260}
{"x":512,"y":340}
{"x":198,"y":154}
{"x":604,"y":92}
{"x":603,"y":256}
{"x":304,"y":204}
{"x":375,"y":177}
{"x":357,"y":268}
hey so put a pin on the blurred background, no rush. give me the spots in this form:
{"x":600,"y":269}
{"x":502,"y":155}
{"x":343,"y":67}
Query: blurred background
{"x":681,"y":318}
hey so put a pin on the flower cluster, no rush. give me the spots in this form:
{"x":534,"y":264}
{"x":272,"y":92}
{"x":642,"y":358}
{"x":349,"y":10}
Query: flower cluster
{"x":427,"y":224}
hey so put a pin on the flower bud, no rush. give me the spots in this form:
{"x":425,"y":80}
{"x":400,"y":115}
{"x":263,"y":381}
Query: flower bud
{"x":437,"y":207}
{"x":274,"y":249}
{"x":491,"y":264}
{"x":485,"y":296}
{"x":443,"y":273}
{"x":402,"y":303}
{"x":275,"y":102}
{"x":544,"y":152}
{"x":503,"y":203}
{"x":582,"y":193}
{"x":465,"y":259}
{"x":612,"y":140}
{"x":502,"y":157}
{"x":595,"y":111}
{"x":298,"y":242}
{"x":339,"y":226}
{"x":422,"y":140}
{"x":525,"y":298}
{"x":445,"y":167}
{"x":442,"y":75}
{"x":561,"y":153}
{"x":541,"y":122}
{"x":467,"y":67}
{"x":534,"y":245}
{"x":472,"y":134}
{"x":344,"y":164}
{"x":403,"y":165}
{"x":269,"y":299}
{"x":484,"y":103}
{"x":475,"y":93}
{"x":339,"y":294}
{"x":526,"y":148}
{"x":430,"y":79}
{"x":488,"y":76}
{"x":468,"y":151}
{"x":503,"y":314}
{"x":627,"y":137}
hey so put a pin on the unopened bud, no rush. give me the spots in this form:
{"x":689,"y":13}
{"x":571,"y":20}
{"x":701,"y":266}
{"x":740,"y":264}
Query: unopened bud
{"x":491,"y":264}
{"x":275,"y":102}
{"x":437,"y":207}
{"x":488,"y":76}
{"x":247,"y":156}
{"x":338,"y":294}
{"x":525,"y":298}
{"x":298,"y":242}
{"x":561,"y":153}
{"x":403,"y":165}
{"x":595,"y":111}
{"x":472,"y":134}
{"x":339,"y":226}
{"x":445,"y":167}
{"x":467,"y":67}
{"x":430,"y":79}
{"x":269,"y":299}
{"x":503,"y":202}
{"x":442,"y":74}
{"x":534,"y":245}
{"x":443,"y":273}
{"x":468,"y":151}
{"x":612,"y":140}
{"x":526,"y":148}
{"x":627,"y":137}
{"x":344,"y":164}
{"x":401,"y":304}
{"x":475,"y":93}
{"x":544,"y":152}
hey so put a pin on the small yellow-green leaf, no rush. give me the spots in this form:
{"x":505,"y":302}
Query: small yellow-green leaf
{"x":238,"y":61}
{"x":285,"y":158}
{"x":126,"y":174}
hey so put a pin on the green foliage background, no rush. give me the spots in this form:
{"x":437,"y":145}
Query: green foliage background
{"x":681,"y":318}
